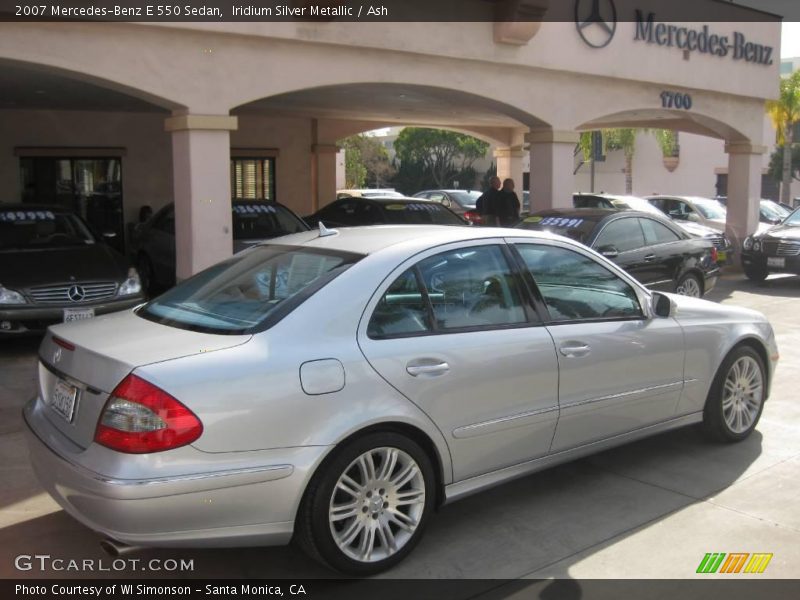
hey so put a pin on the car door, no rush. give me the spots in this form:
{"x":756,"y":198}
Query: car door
{"x":625,"y":235}
{"x":453,"y":331}
{"x":618,"y":369}
{"x":160,"y":245}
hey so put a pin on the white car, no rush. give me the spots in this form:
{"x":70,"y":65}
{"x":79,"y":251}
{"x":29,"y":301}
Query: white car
{"x":338,"y":386}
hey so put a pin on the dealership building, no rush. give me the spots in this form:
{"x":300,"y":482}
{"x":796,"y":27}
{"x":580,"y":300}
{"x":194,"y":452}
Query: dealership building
{"x":108,"y":117}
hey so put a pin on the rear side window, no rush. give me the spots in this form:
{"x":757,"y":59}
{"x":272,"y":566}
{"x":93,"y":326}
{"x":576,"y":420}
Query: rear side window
{"x":249,"y":292}
{"x":656,"y":233}
{"x":464,"y":289}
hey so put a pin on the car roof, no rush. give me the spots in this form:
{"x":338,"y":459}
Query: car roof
{"x":391,"y":200}
{"x":374,"y":238}
{"x":586,"y":213}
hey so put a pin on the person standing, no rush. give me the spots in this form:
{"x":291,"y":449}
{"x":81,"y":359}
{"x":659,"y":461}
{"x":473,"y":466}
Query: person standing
{"x":487,"y":204}
{"x":508,"y":204}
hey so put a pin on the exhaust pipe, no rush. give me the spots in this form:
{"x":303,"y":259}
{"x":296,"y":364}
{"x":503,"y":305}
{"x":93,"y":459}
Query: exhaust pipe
{"x":116,"y":549}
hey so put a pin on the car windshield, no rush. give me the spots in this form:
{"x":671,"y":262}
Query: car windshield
{"x":260,"y":220}
{"x":772,"y":210}
{"x":711,"y":209}
{"x":38,"y":228}
{"x":793,"y":218}
{"x":634,"y":203}
{"x":576,"y":227}
{"x":420,"y":213}
{"x":249,"y":292}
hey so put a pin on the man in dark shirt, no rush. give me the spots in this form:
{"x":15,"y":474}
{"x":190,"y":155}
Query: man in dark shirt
{"x":507,"y":205}
{"x":487,"y":204}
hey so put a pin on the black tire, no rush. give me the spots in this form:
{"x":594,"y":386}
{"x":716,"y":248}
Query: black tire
{"x":715,"y":423}
{"x":314,"y":530}
{"x":756,"y":274}
{"x":145,"y":268}
{"x":690,"y":285}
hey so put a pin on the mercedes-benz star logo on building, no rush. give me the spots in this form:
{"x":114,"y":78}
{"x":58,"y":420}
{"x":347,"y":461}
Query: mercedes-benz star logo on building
{"x":596,"y":21}
{"x":76,"y":293}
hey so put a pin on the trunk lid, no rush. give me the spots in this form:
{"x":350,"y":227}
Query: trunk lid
{"x":77,"y":375}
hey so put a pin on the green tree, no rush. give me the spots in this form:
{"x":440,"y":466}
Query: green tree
{"x":785,"y":114}
{"x":355,"y":173}
{"x":368,"y":161}
{"x":776,"y":163}
{"x":444,"y":155}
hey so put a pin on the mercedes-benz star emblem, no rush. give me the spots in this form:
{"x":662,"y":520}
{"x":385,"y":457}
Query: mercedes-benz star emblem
{"x":57,"y":355}
{"x":76,"y":293}
{"x":596,"y":21}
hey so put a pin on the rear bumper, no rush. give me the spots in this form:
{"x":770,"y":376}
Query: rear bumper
{"x":195,"y":500}
{"x":27,"y":318}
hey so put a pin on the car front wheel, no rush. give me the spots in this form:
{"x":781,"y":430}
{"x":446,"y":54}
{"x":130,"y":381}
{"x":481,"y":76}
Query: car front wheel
{"x":757,"y":274}
{"x":737,"y":396}
{"x":367,"y":507}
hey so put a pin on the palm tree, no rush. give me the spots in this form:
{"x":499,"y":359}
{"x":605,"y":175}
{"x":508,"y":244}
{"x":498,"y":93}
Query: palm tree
{"x":785,"y":114}
{"x":615,"y":139}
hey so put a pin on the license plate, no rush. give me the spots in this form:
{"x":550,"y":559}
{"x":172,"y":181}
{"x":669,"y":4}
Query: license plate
{"x":773,"y":261}
{"x":722,"y":256}
{"x":77,"y":314}
{"x":63,"y":399}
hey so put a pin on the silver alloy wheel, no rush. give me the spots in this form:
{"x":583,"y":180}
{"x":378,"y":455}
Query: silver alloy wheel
{"x":689,"y":287}
{"x":377,"y":504}
{"x":742,"y":394}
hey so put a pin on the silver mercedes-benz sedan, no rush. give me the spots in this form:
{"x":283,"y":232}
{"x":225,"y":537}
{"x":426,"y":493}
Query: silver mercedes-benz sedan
{"x":337,"y":387}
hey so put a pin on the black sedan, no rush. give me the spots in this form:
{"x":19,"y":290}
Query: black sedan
{"x":776,"y":250}
{"x":654,"y":250}
{"x":350,"y":212}
{"x":253,"y":221}
{"x":54,"y":269}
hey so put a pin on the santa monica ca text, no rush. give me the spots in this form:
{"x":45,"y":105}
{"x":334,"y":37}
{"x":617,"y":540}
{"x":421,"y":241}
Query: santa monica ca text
{"x":244,"y":589}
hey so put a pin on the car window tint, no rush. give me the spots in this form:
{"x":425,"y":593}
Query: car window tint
{"x":420,"y":213}
{"x":472,"y":287}
{"x":576,"y":287}
{"x":436,"y":196}
{"x":262,"y":220}
{"x":625,"y":234}
{"x":402,"y":310}
{"x":656,"y":233}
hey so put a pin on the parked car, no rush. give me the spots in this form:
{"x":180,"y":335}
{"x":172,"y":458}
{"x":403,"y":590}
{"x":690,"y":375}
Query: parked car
{"x":368,"y":193}
{"x":53,"y":268}
{"x":650,"y":247}
{"x":349,"y":212}
{"x":253,"y":221}
{"x":776,"y":250}
{"x":705,"y":211}
{"x":461,"y":202}
{"x":338,"y":387}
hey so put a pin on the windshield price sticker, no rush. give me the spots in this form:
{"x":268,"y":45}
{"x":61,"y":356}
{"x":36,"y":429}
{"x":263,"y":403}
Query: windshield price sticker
{"x":26,"y":215}
{"x":562,"y":222}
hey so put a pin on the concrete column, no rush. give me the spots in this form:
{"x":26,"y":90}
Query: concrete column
{"x":323,"y":169}
{"x":509,"y":164}
{"x":552,"y":168}
{"x":745,"y":165}
{"x":202,"y":187}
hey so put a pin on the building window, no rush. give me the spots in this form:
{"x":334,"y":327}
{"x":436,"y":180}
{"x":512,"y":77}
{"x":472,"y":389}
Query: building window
{"x":88,"y":186}
{"x":253,"y":178}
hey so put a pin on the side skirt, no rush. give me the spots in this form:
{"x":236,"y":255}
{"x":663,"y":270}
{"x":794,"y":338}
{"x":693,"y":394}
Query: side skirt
{"x":467,"y":487}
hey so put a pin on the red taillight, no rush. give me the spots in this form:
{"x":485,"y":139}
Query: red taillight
{"x":140,"y":418}
{"x":63,"y":343}
{"x":473,"y":217}
{"x":714,"y":254}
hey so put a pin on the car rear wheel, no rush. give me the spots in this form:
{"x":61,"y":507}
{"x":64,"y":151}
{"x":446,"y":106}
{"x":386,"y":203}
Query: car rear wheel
{"x":689,"y":285}
{"x":757,"y":274}
{"x":365,"y":509}
{"x":737,"y":396}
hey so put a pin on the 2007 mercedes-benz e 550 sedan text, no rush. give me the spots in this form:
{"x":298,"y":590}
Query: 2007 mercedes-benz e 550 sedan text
{"x":338,"y":386}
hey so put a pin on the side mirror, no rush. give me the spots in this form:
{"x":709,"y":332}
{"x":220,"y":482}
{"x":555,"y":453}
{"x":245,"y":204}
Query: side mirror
{"x":663,"y":305}
{"x":609,"y":251}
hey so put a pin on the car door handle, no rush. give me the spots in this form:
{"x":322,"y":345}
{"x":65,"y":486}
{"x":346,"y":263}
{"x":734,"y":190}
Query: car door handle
{"x":650,"y":258}
{"x":575,"y":351}
{"x":415,"y":369}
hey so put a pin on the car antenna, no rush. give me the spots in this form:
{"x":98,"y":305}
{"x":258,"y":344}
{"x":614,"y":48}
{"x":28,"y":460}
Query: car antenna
{"x":325,"y":232}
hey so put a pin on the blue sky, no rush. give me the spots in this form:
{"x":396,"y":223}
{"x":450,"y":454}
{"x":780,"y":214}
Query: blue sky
{"x":790,"y":40}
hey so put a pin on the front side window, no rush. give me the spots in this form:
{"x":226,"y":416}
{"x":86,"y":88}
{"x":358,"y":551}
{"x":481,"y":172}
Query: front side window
{"x":657,"y":233}
{"x":575,"y":287}
{"x":459,"y":289}
{"x":624,"y":234}
{"x":248,"y":292}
